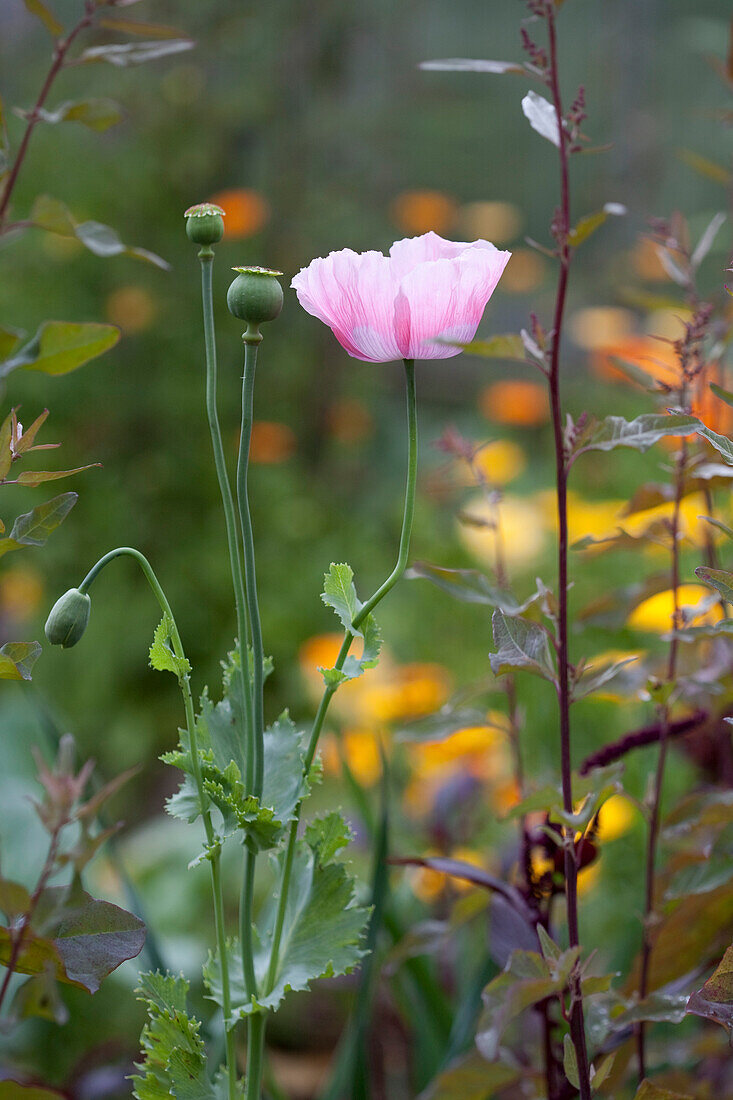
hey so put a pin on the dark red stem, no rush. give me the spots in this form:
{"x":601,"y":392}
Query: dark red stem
{"x":60,"y":51}
{"x":577,"y":1023}
{"x":646,"y":735}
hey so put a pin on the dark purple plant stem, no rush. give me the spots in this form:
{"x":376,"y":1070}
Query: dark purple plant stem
{"x":577,"y":1023}
{"x":637,"y":739}
{"x":654,"y":821}
{"x":61,"y":48}
{"x":27,"y":917}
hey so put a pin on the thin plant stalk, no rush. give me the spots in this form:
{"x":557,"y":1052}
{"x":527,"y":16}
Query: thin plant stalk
{"x":577,"y":1023}
{"x":256,"y":1022}
{"x":329,"y":691}
{"x":246,"y":901}
{"x":655,"y":818}
{"x":213,"y":845}
{"x":60,"y":50}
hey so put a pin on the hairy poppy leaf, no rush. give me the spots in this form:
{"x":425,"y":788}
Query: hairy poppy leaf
{"x":174,"y":1058}
{"x":339,"y":594}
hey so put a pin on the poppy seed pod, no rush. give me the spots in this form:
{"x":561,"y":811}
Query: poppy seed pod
{"x":255,"y":295}
{"x":68,"y":618}
{"x":204,"y":223}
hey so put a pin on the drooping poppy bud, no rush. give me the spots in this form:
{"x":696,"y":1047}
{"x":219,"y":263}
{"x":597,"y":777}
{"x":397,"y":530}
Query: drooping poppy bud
{"x":68,"y":618}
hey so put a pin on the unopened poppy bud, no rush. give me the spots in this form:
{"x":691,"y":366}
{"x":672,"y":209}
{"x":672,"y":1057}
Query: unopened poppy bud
{"x":255,"y":295}
{"x":204,"y":223}
{"x":68,"y":619}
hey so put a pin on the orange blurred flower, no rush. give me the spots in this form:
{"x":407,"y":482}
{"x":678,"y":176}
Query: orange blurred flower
{"x":131,"y":308}
{"x":499,"y":222}
{"x":597,"y":326}
{"x":654,"y":357}
{"x":524,"y":273}
{"x":246,"y":211}
{"x":349,"y":420}
{"x":645,"y":259}
{"x":418,"y":212}
{"x":21,"y":591}
{"x":516,"y":402}
{"x":410,"y":691}
{"x":271,"y":442}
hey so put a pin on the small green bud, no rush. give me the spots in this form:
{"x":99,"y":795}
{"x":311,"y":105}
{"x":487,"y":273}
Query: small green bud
{"x":204,"y":223}
{"x":68,"y":619}
{"x":255,"y":295}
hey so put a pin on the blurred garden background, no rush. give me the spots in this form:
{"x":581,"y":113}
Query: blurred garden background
{"x":312,"y":125}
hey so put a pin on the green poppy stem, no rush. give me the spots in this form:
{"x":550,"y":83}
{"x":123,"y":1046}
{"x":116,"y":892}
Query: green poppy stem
{"x":212,"y":841}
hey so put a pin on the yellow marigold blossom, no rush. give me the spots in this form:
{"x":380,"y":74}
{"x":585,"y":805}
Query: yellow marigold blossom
{"x":517,"y":402}
{"x":617,"y":815}
{"x":601,"y":519}
{"x":361,"y":752}
{"x":427,"y":884}
{"x":656,"y":612}
{"x":505,"y":796}
{"x":522,"y":529}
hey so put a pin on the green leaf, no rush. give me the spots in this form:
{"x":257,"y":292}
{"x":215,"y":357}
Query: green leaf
{"x":162,"y":657}
{"x":525,"y":981}
{"x":17,"y":659}
{"x":14,"y":899}
{"x":9,"y":340}
{"x":46,"y":16}
{"x":648,"y":1091}
{"x":721,"y":443}
{"x":34,"y":478}
{"x":445,"y":722}
{"x":132,"y":26}
{"x":174,"y":1058}
{"x":570,"y":1062}
{"x":470,"y":1077}
{"x":509,"y":346}
{"x":121,"y":54}
{"x":96,"y":114}
{"x":724,"y":395}
{"x":701,"y":878}
{"x":468,"y":585}
{"x":83,"y":940}
{"x":328,"y":835}
{"x":593,"y":678}
{"x":13,"y":1090}
{"x":640,"y":433}
{"x":719,"y":579}
{"x":467,"y":65}
{"x":339,"y":593}
{"x":715,"y":1000}
{"x":61,"y":346}
{"x":33,"y":528}
{"x":55,"y":217}
{"x":658,"y":1008}
{"x":321,"y":936}
{"x":520,"y":644}
{"x":542,"y":117}
{"x":38,"y":996}
{"x":589,"y":793}
{"x":600,"y":1072}
{"x":591,"y":222}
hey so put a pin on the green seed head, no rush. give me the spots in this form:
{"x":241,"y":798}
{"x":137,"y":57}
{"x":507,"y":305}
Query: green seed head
{"x":255,"y":295}
{"x":68,"y":619}
{"x":204,"y":223}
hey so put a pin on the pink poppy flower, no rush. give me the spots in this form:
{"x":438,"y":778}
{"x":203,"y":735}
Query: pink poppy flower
{"x":399,"y":306}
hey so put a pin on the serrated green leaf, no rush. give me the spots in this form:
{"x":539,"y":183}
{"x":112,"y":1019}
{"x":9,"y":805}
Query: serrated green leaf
{"x":162,"y":656}
{"x":328,"y":835}
{"x":520,"y":644}
{"x":339,"y":593}
{"x":17,"y":659}
{"x":174,"y":1058}
{"x":321,"y":938}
